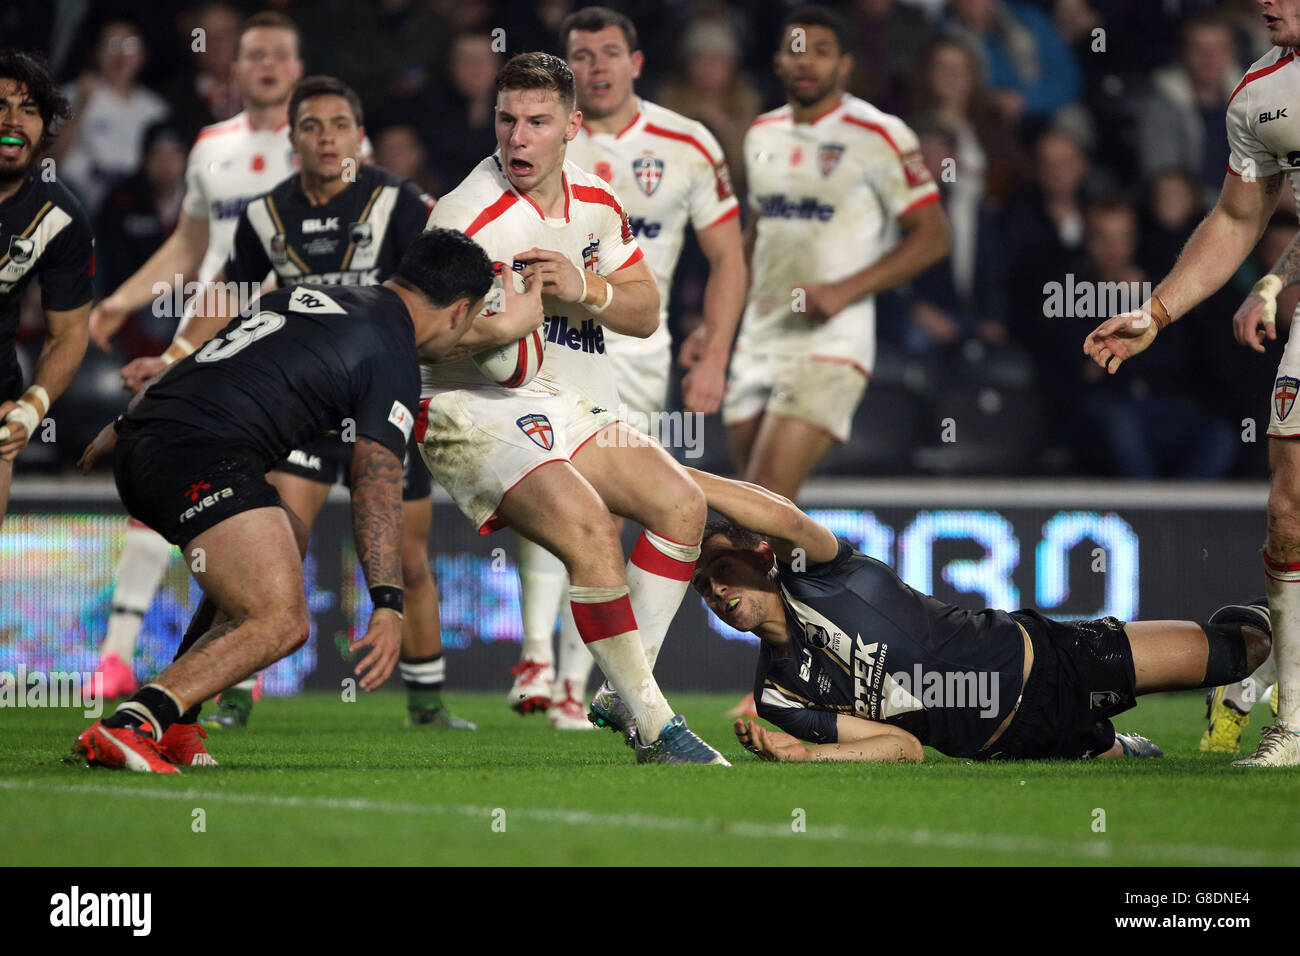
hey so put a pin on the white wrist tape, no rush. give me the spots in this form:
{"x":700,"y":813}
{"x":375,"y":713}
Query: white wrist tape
{"x":179,"y":348}
{"x":27,"y":412}
{"x":1267,"y":288}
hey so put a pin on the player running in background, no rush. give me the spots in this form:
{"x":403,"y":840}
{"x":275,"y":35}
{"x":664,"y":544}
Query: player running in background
{"x":670,"y":174}
{"x":524,"y":457}
{"x":230,"y":164}
{"x":854,"y":665}
{"x":43,"y":232}
{"x":194,"y":448}
{"x":1265,"y":147}
{"x":336,"y":222}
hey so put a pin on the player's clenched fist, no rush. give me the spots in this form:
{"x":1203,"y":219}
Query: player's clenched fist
{"x":1120,"y":338}
{"x":1256,"y":317}
{"x":558,"y":275}
{"x":769,"y":744}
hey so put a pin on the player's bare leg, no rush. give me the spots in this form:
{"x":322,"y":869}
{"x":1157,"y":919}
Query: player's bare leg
{"x":1280,"y":744}
{"x":785,"y":452}
{"x":253,"y":570}
{"x":740,"y":442}
{"x":557,"y":508}
{"x":421,"y":665}
{"x":543,"y":584}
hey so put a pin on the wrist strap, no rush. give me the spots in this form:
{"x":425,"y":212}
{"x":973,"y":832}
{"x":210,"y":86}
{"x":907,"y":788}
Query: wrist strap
{"x":39,"y":399}
{"x":179,"y":348}
{"x":609,"y":295}
{"x":1161,"y":324}
{"x":387,"y":596}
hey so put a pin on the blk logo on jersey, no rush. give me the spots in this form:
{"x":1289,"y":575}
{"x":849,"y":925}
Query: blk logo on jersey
{"x":329,"y":224}
{"x":828,"y":157}
{"x":538,"y":428}
{"x":1284,"y":393}
{"x":21,"y":249}
{"x":649,"y":172}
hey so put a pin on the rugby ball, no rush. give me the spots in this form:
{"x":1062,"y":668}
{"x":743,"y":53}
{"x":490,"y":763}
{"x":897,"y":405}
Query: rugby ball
{"x":514,"y":364}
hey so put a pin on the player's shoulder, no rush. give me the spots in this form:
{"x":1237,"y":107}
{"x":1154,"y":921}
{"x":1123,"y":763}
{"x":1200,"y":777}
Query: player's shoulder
{"x":57,"y":195}
{"x":221,"y":134}
{"x":663,"y":123}
{"x":589,"y":189}
{"x":875,"y":125}
{"x":1268,"y":65}
{"x":483,"y":192}
{"x":780,"y":118}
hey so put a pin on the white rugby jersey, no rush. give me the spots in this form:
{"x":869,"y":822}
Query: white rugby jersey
{"x":669,"y":171}
{"x":230,"y":165}
{"x":594,"y":233}
{"x":827,"y":195}
{"x":1263,"y":134}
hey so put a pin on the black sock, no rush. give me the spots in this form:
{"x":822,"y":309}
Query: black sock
{"x":200,"y":624}
{"x":423,"y":678}
{"x":151,"y":705}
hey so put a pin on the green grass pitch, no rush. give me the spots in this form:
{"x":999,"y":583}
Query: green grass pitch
{"x":315,"y":781}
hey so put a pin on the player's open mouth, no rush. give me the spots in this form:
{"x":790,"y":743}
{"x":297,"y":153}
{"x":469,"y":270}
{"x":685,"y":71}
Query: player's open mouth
{"x":521,"y":166}
{"x":601,"y":87}
{"x":1270,"y":20}
{"x":11,"y":147}
{"x":731,"y":605}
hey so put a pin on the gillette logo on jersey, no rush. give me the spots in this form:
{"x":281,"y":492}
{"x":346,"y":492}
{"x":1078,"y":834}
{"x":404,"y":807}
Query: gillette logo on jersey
{"x":780,"y":206}
{"x":588,"y":337}
{"x":230,"y":208}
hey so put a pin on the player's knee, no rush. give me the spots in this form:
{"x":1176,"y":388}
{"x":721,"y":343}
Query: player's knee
{"x":291,"y":627}
{"x":1232,"y":640}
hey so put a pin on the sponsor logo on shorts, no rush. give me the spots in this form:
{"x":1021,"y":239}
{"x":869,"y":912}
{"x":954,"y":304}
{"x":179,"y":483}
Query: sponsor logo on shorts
{"x":828,"y":157}
{"x":401,"y":416}
{"x":649,"y":173}
{"x":207,"y":501}
{"x":538,"y":428}
{"x":1284,"y":393}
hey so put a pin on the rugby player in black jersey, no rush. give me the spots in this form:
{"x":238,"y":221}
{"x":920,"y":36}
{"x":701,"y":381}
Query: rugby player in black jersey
{"x":43,"y":232}
{"x":854,"y":665}
{"x":193,"y":450}
{"x":337,"y":221}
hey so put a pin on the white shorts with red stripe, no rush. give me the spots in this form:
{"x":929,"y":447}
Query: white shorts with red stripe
{"x":1284,"y":417}
{"x":824,"y":391}
{"x":481,"y":442}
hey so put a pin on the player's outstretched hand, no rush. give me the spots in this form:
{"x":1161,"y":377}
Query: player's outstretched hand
{"x":522,"y":312}
{"x":769,"y":744}
{"x":384,"y":638}
{"x":1120,"y":338}
{"x":559,"y":276}
{"x":1255,"y":321}
{"x":103,"y":444}
{"x":105,"y":319}
{"x":137,"y":372}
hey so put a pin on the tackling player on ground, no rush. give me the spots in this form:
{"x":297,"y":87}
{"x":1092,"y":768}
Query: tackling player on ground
{"x":45,"y":233}
{"x":524,"y":457}
{"x":230,"y":163}
{"x":670,"y":174}
{"x":854,"y":665}
{"x":1265,"y":148}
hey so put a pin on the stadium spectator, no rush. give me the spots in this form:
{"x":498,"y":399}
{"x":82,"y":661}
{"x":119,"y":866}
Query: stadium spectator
{"x":890,"y":37}
{"x":101,"y":143}
{"x":1031,"y":70}
{"x":207,"y":92}
{"x":709,"y":87}
{"x":1180,"y":121}
{"x":135,"y":218}
{"x":458,"y":121}
{"x":399,"y":150}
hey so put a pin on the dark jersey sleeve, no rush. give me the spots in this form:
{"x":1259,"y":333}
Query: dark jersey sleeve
{"x":67,"y":266}
{"x":247,"y":261}
{"x":386,"y":395}
{"x":806,"y":723}
{"x":410,"y":215}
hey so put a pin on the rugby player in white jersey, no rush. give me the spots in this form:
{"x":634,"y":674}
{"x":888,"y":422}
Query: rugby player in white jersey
{"x":833,"y":181}
{"x":231,"y":163}
{"x":524,"y":457}
{"x":670,"y":174}
{"x":1264,"y":139}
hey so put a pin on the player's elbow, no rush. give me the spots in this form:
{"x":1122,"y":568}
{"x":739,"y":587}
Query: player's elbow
{"x":910,"y":749}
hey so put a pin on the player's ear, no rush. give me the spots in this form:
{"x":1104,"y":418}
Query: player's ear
{"x":768,"y":555}
{"x":575,"y":124}
{"x":638,"y":61}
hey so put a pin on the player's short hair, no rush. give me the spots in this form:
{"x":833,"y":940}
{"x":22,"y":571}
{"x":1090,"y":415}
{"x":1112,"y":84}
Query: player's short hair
{"x":595,"y":19}
{"x":539,"y":71}
{"x":740,"y":537}
{"x":270,"y":19}
{"x":310,"y":86}
{"x":446,"y":265}
{"x":34,"y":76}
{"x":815,"y":15}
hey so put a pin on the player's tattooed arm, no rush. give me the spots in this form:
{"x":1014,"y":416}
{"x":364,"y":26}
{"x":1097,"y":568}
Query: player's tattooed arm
{"x":377,"y":512}
{"x":1287,"y":266}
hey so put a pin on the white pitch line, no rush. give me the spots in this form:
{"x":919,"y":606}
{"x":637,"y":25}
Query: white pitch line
{"x":1099,"y":850}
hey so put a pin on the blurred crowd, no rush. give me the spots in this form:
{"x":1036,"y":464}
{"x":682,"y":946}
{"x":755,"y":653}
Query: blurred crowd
{"x":1070,"y":138}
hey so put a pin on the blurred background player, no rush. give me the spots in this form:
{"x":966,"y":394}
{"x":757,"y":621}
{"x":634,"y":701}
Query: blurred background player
{"x":336,"y":222}
{"x":670,"y":173}
{"x":832,"y":181}
{"x":524,"y":457}
{"x":231,"y":163}
{"x":43,"y":232}
{"x":1263,"y":142}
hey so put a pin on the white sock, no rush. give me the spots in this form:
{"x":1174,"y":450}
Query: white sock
{"x":543,"y":583}
{"x":658,"y":575}
{"x":248,"y":683}
{"x":574,"y":659}
{"x":607,"y":625}
{"x":1283,"y":582}
{"x":1242,"y":695}
{"x":145,"y":556}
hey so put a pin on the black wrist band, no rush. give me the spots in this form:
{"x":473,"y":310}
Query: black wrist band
{"x":385,"y":595}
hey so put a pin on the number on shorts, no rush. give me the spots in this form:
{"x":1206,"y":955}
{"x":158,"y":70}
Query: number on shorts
{"x":240,"y":337}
